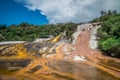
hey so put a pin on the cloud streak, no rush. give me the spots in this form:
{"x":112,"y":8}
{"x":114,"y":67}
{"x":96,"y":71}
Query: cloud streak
{"x":61,"y":11}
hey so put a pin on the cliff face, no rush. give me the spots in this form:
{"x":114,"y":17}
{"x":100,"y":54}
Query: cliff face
{"x":57,"y":60}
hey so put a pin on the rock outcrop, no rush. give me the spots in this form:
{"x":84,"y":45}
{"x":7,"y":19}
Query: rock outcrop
{"x":57,"y":59}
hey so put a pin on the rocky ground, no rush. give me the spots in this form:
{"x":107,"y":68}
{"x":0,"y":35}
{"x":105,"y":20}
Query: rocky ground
{"x":56,"y":60}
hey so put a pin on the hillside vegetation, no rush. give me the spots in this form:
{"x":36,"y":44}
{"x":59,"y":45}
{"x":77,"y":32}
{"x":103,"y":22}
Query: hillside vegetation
{"x":109,"y":33}
{"x":29,"y":32}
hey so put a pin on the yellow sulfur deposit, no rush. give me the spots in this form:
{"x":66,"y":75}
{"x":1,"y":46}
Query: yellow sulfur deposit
{"x":56,"y":39}
{"x":21,"y":50}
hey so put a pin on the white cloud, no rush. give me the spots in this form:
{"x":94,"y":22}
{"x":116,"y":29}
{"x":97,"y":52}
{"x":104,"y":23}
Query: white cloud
{"x":58,"y":11}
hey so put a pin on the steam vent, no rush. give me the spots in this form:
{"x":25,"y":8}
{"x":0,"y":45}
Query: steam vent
{"x":56,"y":58}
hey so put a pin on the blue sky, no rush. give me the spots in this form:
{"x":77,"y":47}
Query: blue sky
{"x":53,"y":11}
{"x":12,"y":12}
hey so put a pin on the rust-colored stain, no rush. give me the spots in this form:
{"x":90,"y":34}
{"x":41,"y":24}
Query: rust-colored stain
{"x":62,"y":66}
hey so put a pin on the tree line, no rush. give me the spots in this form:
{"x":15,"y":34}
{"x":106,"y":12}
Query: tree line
{"x":29,"y":32}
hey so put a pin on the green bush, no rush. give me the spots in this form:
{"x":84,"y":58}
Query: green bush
{"x":109,"y":35}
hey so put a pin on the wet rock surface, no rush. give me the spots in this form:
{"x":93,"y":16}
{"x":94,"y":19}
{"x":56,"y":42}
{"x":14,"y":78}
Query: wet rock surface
{"x":53,"y":60}
{"x":5,"y":64}
{"x":81,"y":70}
{"x":7,"y":78}
{"x":34,"y":69}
